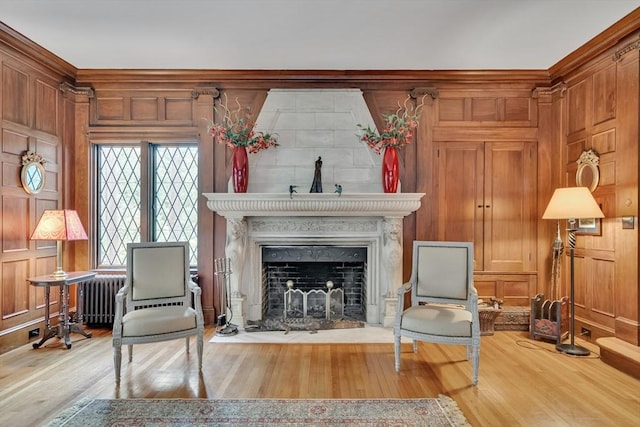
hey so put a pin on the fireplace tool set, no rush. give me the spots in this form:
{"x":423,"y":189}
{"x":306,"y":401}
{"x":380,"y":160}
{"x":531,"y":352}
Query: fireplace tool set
{"x":222,"y":271}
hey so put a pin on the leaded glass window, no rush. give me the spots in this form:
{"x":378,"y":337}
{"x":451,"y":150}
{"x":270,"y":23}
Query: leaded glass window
{"x":169,"y":184}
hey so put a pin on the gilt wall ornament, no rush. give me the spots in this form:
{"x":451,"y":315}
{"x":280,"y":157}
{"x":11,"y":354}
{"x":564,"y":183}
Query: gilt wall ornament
{"x":588,"y":173}
{"x":32,"y":174}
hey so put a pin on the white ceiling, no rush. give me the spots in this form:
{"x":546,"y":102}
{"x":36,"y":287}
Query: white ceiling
{"x":313,"y":34}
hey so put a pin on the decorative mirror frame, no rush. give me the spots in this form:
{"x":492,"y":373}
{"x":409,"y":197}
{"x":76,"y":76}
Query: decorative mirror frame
{"x":32,"y":163}
{"x":588,"y":161}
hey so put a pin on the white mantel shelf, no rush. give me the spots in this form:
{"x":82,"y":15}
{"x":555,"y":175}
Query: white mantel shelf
{"x":231,"y":205}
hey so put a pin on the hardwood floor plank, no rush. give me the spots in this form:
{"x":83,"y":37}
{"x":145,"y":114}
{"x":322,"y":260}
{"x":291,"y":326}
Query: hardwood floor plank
{"x":522,"y":382}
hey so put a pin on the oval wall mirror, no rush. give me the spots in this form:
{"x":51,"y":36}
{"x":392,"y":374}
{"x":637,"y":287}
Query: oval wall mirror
{"x":588,"y":174}
{"x":33,"y":173}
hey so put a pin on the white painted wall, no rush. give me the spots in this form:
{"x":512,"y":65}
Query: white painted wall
{"x":312,"y":123}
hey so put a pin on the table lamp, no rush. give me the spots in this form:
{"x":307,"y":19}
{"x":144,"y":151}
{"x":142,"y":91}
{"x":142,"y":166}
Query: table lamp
{"x":572,"y":203}
{"x":59,"y":225}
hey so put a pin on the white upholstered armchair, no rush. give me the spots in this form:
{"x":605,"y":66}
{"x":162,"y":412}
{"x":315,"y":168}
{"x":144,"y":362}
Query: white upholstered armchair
{"x":159,"y":301}
{"x":444,"y":301}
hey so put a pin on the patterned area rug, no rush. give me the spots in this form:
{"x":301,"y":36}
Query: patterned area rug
{"x":441,"y":411}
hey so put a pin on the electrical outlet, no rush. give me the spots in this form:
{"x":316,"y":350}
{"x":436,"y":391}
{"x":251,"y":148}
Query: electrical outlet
{"x":34,"y":332}
{"x":585,"y":332}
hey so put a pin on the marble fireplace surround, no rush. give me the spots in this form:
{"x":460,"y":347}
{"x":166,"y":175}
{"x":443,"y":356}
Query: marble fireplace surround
{"x":371,"y":220}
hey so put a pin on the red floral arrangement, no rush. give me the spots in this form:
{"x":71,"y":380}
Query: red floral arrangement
{"x":236,"y":130}
{"x":399,"y":129}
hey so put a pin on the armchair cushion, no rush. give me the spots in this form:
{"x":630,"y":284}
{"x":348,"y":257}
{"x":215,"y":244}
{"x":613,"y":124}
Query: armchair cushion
{"x":437,"y":320}
{"x":158,"y":320}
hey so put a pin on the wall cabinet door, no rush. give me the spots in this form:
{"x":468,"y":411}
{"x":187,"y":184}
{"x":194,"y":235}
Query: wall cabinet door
{"x":485,"y":193}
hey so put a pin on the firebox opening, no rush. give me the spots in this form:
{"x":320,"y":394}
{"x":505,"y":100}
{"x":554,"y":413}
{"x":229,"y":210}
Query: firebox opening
{"x":309,"y":268}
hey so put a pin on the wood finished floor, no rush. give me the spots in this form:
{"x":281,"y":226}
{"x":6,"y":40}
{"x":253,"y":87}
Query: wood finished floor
{"x":522,"y":382}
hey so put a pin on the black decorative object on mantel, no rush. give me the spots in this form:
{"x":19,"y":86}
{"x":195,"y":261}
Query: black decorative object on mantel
{"x":316,"y":186}
{"x":338,"y":189}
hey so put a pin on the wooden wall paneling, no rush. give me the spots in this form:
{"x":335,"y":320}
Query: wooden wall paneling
{"x":203,"y":108}
{"x":626,"y":204}
{"x":179,"y":109}
{"x":519,"y":110}
{"x":425,"y":182}
{"x":14,"y":144}
{"x":604,"y":95}
{"x":451,"y":109}
{"x":15,"y":94}
{"x":109,"y":108}
{"x":601,"y":290}
{"x":549,"y":176}
{"x":165,"y":105}
{"x":473,"y":107}
{"x":512,"y":289}
{"x":15,"y":224}
{"x":483,"y":133}
{"x":15,"y":292}
{"x":146,"y":108}
{"x":577,"y":98}
{"x":46,"y":107}
{"x":484,"y":109}
{"x":517,"y":290}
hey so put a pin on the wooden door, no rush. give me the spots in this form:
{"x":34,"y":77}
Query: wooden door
{"x":459,"y":168}
{"x":509,"y":206}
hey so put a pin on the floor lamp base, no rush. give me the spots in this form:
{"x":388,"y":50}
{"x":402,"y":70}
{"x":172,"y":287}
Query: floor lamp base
{"x":573,"y":350}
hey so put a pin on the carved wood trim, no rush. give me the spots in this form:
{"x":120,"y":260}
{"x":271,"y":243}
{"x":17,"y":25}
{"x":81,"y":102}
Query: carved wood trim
{"x":196,"y":92}
{"x":420,"y":92}
{"x":560,"y":88}
{"x":83,"y":91}
{"x":618,"y":54}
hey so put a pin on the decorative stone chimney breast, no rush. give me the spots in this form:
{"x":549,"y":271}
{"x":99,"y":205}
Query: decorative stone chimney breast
{"x":312,"y":124}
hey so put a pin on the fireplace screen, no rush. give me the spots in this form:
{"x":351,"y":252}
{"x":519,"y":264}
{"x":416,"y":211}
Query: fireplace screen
{"x":327,"y":282}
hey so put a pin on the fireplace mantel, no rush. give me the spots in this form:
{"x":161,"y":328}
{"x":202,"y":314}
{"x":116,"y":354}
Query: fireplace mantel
{"x":395,"y":205}
{"x":370,"y":220}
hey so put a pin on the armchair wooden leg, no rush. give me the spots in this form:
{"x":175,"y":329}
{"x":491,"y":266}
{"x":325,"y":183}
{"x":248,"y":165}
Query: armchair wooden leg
{"x":200,"y":346}
{"x":475,"y":362}
{"x":117,"y":362}
{"x":187,"y":344}
{"x":130,"y":351}
{"x":396,"y":346}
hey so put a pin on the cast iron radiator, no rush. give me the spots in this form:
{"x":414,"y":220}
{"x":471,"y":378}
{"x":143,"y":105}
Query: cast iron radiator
{"x":99,"y":299}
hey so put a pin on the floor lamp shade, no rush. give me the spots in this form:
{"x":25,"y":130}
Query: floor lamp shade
{"x":572,"y":203}
{"x":59,"y":225}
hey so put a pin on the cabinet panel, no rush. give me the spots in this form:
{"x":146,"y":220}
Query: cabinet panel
{"x":509,"y":186}
{"x":512,"y":289}
{"x":485,"y":194}
{"x":459,"y":194}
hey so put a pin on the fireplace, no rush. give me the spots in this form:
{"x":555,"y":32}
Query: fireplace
{"x":370,"y":221}
{"x":314,"y":273}
{"x":313,"y":123}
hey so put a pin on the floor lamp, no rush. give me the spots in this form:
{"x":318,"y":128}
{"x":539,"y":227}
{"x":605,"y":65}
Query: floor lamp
{"x":572,"y":203}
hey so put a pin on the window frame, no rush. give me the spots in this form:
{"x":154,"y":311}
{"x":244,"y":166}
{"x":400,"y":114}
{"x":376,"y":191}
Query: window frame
{"x":147,"y":186}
